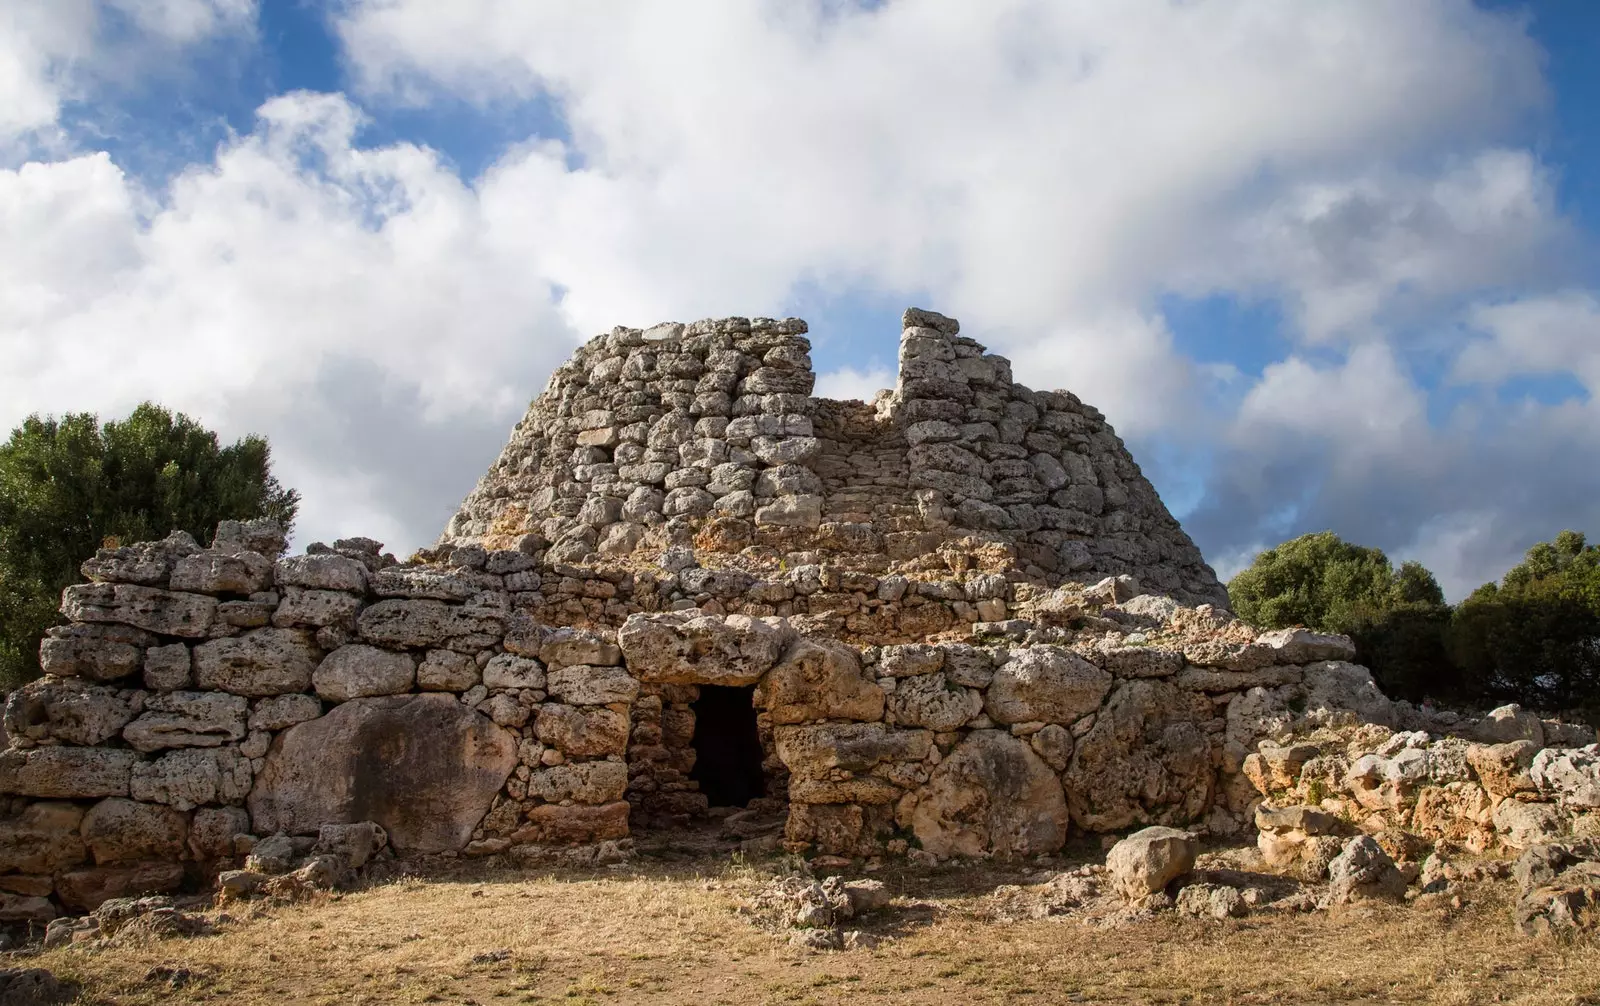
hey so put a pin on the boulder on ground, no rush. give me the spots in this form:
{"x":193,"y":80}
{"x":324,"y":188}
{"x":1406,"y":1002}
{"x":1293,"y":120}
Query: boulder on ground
{"x":1148,"y":860}
{"x":1364,"y":871}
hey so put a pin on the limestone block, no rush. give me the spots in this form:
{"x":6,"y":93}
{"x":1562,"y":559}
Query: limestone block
{"x":222,"y":573}
{"x":566,"y":646}
{"x":191,"y":777}
{"x":66,"y":772}
{"x":424,"y":583}
{"x":424,"y":767}
{"x":932,"y":701}
{"x":404,"y":624}
{"x":992,"y":795}
{"x":149,"y":608}
{"x":1521,"y":825}
{"x":68,"y":710}
{"x":583,"y":685}
{"x":281,"y":711}
{"x":582,"y":731}
{"x":821,"y":750}
{"x":263,"y":535}
{"x":1364,"y":871}
{"x":818,"y":679}
{"x":590,"y":782}
{"x":357,"y":670}
{"x":88,"y":888}
{"x":1207,"y":679}
{"x":1302,"y":646}
{"x":1334,"y":686}
{"x":212,"y":830}
{"x":167,"y":668}
{"x":1146,"y":759}
{"x":303,"y":607}
{"x":145,"y":563}
{"x":260,"y":662}
{"x":324,"y":571}
{"x":188,"y":719}
{"x":908,"y":659}
{"x":95,"y":652}
{"x":1045,"y":684}
{"x":1571,"y":776}
{"x":505,"y":670}
{"x":1149,"y":859}
{"x":117,"y":830}
{"x":680,"y":648}
{"x":1510,"y":723}
{"x":42,"y":838}
{"x":1502,"y":769}
{"x":447,"y":671}
{"x":1140,"y":661}
{"x":798,"y":511}
{"x":1053,"y":743}
{"x":553,"y":824}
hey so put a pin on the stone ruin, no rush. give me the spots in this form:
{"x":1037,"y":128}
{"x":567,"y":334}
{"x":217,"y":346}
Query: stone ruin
{"x":956,"y":621}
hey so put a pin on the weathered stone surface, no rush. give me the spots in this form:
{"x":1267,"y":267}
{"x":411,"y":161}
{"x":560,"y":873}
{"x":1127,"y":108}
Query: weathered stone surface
{"x":68,"y":710}
{"x":591,"y":782}
{"x":260,"y":662}
{"x":447,"y":671}
{"x":42,"y":838}
{"x":150,"y":608}
{"x":88,"y":888}
{"x":322,"y":572}
{"x":566,"y":646}
{"x":1521,"y":825}
{"x":1045,"y":684}
{"x":679,"y":648}
{"x":424,"y":767}
{"x":1210,"y":679}
{"x":991,"y":794}
{"x":87,"y":654}
{"x":188,"y":719}
{"x":1364,"y":871}
{"x":191,"y":777}
{"x":422,"y":584}
{"x":553,"y":824}
{"x":819,"y":679}
{"x":222,"y":573}
{"x":1510,"y":723}
{"x":584,"y":731}
{"x":167,"y":668}
{"x":357,"y":670}
{"x":1149,"y":859}
{"x":823,"y":749}
{"x":418,"y":624}
{"x":1502,"y":769}
{"x":1571,"y":776}
{"x":1302,"y":646}
{"x":212,"y":829}
{"x":910,"y":659}
{"x":23,"y":908}
{"x":506,"y":670}
{"x":1334,"y":686}
{"x":66,"y":772}
{"x":351,"y":844}
{"x":281,"y":711}
{"x":1146,"y":760}
{"x":932,"y":701}
{"x":145,"y":563}
{"x":584,"y":685}
{"x":117,"y":830}
{"x":316,"y":608}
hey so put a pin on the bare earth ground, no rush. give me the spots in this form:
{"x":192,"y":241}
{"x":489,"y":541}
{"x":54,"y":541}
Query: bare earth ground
{"x":665,"y":929}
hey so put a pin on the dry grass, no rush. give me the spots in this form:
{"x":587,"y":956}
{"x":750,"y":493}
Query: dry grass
{"x":669,"y":934}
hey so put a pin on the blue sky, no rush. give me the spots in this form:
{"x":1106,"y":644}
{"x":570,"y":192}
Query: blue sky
{"x":1322,"y":268}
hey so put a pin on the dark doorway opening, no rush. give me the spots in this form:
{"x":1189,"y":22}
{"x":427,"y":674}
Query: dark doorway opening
{"x":727,"y":746}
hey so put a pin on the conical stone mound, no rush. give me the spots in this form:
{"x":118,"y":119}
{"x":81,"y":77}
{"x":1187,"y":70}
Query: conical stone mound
{"x":705,"y":437}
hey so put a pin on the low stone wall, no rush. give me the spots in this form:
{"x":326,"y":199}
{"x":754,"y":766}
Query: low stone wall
{"x":200,"y":699}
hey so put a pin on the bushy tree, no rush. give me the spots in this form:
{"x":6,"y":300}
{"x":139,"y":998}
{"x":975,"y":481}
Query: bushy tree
{"x":68,"y":485}
{"x":1397,"y":617}
{"x":1535,"y":636}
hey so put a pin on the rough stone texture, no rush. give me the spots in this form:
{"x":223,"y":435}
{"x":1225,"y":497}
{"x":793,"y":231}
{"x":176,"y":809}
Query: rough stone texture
{"x":188,"y":719}
{"x":1046,"y":684}
{"x":933,"y":701}
{"x":148,"y":608}
{"x":88,"y":888}
{"x":991,"y":794}
{"x":66,"y":772}
{"x":357,"y":670}
{"x":819,"y":680}
{"x":191,"y":777}
{"x":66,"y":710}
{"x":116,"y":830}
{"x":44,"y":838}
{"x":281,"y":711}
{"x":260,"y":662}
{"x":1570,"y":776}
{"x":216,"y":572}
{"x":1147,"y":759}
{"x":1150,"y":859}
{"x":699,"y":649}
{"x":1364,"y":871}
{"x":422,"y":766}
{"x":212,"y":830}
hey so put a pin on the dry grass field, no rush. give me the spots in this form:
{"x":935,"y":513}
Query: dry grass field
{"x":669,"y":931}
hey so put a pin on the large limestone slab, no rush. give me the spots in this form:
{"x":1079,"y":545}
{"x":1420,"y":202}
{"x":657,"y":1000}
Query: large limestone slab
{"x":992,"y":794}
{"x":1046,"y":684}
{"x":260,"y":662}
{"x":66,"y":772}
{"x":164,"y":612}
{"x":188,"y":720}
{"x":820,"y":679}
{"x":43,"y":838}
{"x":417,"y":624}
{"x":678,"y":648}
{"x":424,"y":767}
{"x":120,"y":831}
{"x":357,"y":671}
{"x":68,"y":710}
{"x":1146,"y":760}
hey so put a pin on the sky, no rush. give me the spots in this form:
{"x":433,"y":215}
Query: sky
{"x":1323,"y":266}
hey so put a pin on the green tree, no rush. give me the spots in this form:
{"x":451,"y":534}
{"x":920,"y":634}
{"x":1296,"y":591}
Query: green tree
{"x":1397,"y":617}
{"x":1535,"y":636}
{"x":69,"y":484}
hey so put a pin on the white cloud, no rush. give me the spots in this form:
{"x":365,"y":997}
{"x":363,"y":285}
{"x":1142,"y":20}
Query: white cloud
{"x":1554,"y":334}
{"x":848,"y":382}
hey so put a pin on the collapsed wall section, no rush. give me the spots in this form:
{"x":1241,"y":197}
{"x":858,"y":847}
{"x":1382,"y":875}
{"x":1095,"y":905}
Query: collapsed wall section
{"x":704,"y":438}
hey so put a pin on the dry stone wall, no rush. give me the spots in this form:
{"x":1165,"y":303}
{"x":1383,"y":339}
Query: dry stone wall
{"x":705,"y":437}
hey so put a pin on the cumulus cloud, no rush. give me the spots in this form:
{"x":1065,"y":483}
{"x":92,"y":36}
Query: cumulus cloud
{"x":848,"y":382}
{"x":1051,"y":170}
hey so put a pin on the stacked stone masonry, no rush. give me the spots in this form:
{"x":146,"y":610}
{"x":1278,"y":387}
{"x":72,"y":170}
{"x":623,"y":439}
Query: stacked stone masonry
{"x":705,"y":437}
{"x":510,"y":693}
